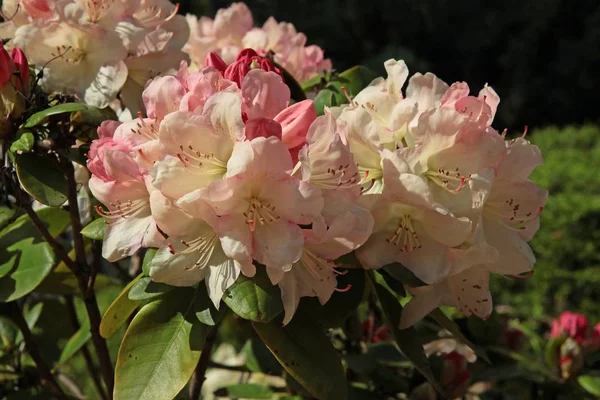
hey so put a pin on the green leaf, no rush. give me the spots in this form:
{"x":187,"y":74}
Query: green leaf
{"x":31,"y":317}
{"x":449,"y":325}
{"x":407,"y":339}
{"x":296,"y":92}
{"x":63,"y":281}
{"x":41,"y":178}
{"x":341,"y":304}
{"x":23,"y":143}
{"x":95,"y":229}
{"x":352,"y":80}
{"x":248,"y":391}
{"x":590,"y":383}
{"x":76,"y":342}
{"x":39,"y":117}
{"x":311,"y":83}
{"x":259,"y":358}
{"x":119,"y":311}
{"x":256,"y":299}
{"x":147,"y":260}
{"x":24,"y":256}
{"x":146,"y":289}
{"x":395,"y":285}
{"x":205,"y":309}
{"x":6,"y":214}
{"x":402,"y":274}
{"x":552,"y":351}
{"x":8,"y":333}
{"x":306,"y":353}
{"x":156,"y":360}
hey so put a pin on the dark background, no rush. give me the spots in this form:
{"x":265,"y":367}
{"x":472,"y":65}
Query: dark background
{"x":541,"y":56}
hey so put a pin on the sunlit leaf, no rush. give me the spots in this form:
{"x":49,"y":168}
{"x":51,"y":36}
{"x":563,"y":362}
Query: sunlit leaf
{"x":95,"y":229}
{"x":41,"y":178}
{"x":146,"y":289}
{"x":39,"y":117}
{"x":119,"y":311}
{"x":256,"y":299}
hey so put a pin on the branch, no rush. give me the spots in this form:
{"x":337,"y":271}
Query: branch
{"x":200,"y":373}
{"x":46,"y":378}
{"x":86,"y":284}
{"x":84,"y":350}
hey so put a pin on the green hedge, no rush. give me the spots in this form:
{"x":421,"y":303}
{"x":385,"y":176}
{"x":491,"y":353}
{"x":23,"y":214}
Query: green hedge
{"x":567,"y":274}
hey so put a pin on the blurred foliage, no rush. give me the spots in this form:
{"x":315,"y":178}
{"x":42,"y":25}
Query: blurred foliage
{"x":567,"y":273}
{"x":542,"y":57}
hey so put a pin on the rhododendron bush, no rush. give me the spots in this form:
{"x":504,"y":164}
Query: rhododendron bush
{"x":175,"y":185}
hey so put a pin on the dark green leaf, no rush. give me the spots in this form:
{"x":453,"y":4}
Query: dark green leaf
{"x":23,"y":143}
{"x":341,"y":304}
{"x":296,"y":92}
{"x":146,"y":289}
{"x":256,"y":299}
{"x":25,"y":255}
{"x":395,"y":285}
{"x":402,"y":274}
{"x":352,"y":80}
{"x":95,"y":229}
{"x":205,"y":309}
{"x":31,"y":318}
{"x":247,"y":391}
{"x":147,"y":260}
{"x":76,"y":342}
{"x":8,"y":333}
{"x":309,"y":84}
{"x":259,"y":358}
{"x":449,"y":325}
{"x":119,"y":311}
{"x":41,"y":178}
{"x":63,"y":281}
{"x":306,"y":353}
{"x":6,"y":214}
{"x":155,"y":359}
{"x":552,"y":351}
{"x":39,"y":117}
{"x":407,"y":339}
{"x":590,"y":383}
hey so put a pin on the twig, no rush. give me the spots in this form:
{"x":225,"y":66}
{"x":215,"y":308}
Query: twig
{"x":200,"y":373}
{"x":235,"y":368}
{"x":86,"y":284}
{"x":84,"y":350}
{"x":46,"y":378}
{"x":89,"y":298}
{"x":74,"y":213}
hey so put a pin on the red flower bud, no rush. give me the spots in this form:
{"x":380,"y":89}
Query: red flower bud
{"x":215,"y":61}
{"x":571,"y":325}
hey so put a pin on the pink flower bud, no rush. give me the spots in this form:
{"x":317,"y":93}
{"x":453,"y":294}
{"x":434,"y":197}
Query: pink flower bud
{"x":572,"y":325}
{"x":215,"y":61}
{"x":22,"y":66}
{"x":7,"y":67}
{"x":455,"y":375}
{"x":246,"y":60}
{"x":295,"y":121}
{"x":37,"y":8}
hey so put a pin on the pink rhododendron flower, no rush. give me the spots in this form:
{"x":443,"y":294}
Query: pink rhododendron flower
{"x":572,"y":325}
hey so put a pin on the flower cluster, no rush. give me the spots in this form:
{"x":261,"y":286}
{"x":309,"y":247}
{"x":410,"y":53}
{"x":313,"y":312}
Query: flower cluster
{"x":233,"y":29}
{"x":95,"y":49}
{"x":577,"y":327}
{"x":223,"y":174}
{"x":451,"y":198}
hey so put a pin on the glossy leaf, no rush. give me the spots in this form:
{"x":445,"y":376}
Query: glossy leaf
{"x":402,"y":274}
{"x":76,"y":342}
{"x":31,"y":317}
{"x":23,"y":143}
{"x":407,"y":340}
{"x":340,"y":305}
{"x":39,"y":117}
{"x":26,"y":256}
{"x":590,"y":383}
{"x":306,"y":353}
{"x":119,"y":311}
{"x":95,"y":229}
{"x":41,"y":178}
{"x":259,"y":358}
{"x":156,"y":360}
{"x":205,"y":309}
{"x":146,"y":262}
{"x":247,"y":391}
{"x":449,"y":325}
{"x":146,"y":289}
{"x":6,"y":214}
{"x":352,"y":81}
{"x":255,"y":299}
